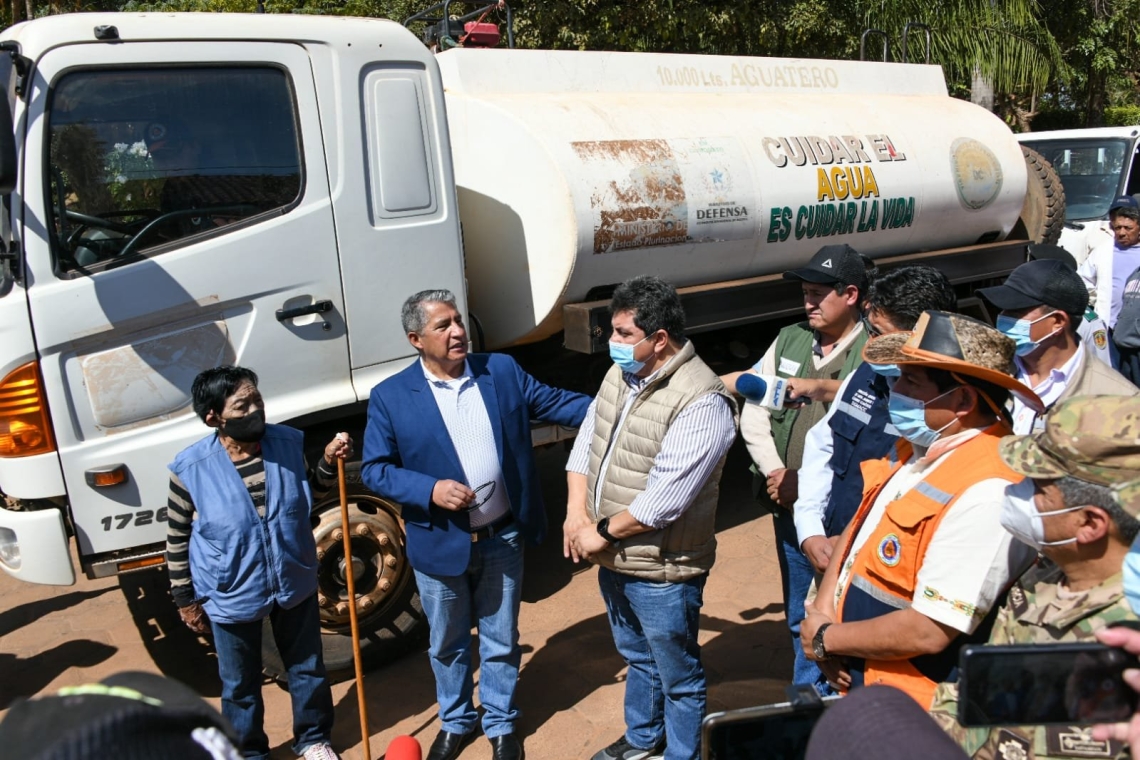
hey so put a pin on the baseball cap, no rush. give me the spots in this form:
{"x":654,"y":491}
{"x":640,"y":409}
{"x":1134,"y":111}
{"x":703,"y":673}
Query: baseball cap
{"x":1123,"y":201}
{"x":127,"y":716}
{"x":1052,"y":251}
{"x":958,"y":344}
{"x":1040,"y":282}
{"x":833,"y":264}
{"x":1093,"y":438}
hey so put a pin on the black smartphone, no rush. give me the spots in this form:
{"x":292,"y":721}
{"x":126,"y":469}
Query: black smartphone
{"x":775,"y":732}
{"x":1023,"y":685}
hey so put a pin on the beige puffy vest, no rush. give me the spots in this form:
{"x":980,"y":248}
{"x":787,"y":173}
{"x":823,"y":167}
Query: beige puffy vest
{"x":687,"y":547}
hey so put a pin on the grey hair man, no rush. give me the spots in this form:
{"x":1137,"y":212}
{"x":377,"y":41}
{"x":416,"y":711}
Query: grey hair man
{"x":448,"y":439}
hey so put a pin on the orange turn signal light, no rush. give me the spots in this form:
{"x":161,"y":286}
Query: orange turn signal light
{"x":139,"y":564}
{"x":25,"y":427}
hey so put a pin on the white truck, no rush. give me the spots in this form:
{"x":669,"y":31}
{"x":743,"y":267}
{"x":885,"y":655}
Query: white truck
{"x":1095,"y":166}
{"x":182,"y":191}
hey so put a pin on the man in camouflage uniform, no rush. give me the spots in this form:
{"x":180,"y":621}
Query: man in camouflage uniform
{"x":1083,"y":530}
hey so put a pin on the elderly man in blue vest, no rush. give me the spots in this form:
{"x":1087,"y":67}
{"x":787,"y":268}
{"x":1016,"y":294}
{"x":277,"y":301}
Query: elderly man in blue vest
{"x":449,"y":440}
{"x":240,"y":549}
{"x":643,"y":482}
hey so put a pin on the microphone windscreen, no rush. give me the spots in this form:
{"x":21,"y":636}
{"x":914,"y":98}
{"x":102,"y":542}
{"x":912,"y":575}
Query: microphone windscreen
{"x":404,"y":748}
{"x":751,"y":386}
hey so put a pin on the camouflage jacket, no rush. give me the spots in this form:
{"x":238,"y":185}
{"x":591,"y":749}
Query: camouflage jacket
{"x":1039,"y":611}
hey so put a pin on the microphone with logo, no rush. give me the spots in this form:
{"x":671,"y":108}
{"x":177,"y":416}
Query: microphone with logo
{"x":768,"y":390}
{"x":404,"y":748}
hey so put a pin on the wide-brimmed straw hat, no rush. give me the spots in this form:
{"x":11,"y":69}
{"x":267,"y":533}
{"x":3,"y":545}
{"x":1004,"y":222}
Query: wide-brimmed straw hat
{"x":957,"y":344}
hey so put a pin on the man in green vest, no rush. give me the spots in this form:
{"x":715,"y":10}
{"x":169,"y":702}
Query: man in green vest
{"x":820,"y":352}
{"x":642,"y":488}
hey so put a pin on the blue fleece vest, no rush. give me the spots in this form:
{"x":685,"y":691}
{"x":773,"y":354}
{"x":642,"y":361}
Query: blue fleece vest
{"x":861,"y":430}
{"x":240,"y":563}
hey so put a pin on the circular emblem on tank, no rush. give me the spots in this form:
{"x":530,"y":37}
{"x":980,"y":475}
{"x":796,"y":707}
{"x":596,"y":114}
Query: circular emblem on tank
{"x":890,"y":552}
{"x":977,"y":173}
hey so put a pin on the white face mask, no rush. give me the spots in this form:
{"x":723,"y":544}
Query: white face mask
{"x":1020,"y":517}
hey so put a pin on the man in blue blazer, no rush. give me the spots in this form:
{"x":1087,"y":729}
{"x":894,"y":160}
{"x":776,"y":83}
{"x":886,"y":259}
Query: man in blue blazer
{"x":449,"y":440}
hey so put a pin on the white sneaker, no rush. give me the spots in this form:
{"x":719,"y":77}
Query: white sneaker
{"x":321,"y":751}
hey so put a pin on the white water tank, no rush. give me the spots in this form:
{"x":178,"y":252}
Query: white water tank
{"x":582,"y":169}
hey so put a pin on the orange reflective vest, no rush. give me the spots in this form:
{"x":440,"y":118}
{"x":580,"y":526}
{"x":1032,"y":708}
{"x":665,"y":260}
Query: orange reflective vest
{"x":885,"y":571}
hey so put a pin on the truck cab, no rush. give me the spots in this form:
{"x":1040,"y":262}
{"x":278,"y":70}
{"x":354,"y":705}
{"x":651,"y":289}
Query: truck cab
{"x":1095,"y":166}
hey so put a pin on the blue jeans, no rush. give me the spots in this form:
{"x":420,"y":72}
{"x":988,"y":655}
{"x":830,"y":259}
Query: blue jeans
{"x":655,"y":629}
{"x":297,"y":632}
{"x":487,"y":595}
{"x":796,"y":575}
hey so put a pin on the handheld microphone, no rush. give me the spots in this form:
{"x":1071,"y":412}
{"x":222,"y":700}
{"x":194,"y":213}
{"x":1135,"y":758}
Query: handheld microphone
{"x":404,"y":748}
{"x":767,"y":390}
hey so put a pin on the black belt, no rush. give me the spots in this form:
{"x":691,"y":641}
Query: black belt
{"x":494,"y":529}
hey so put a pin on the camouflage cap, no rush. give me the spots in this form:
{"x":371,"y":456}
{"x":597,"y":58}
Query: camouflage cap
{"x":1092,"y":438}
{"x":1127,"y":495}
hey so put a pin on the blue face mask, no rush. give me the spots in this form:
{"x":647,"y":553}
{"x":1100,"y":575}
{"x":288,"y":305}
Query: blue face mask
{"x":909,"y":416}
{"x":886,"y":370}
{"x":1017,"y":330}
{"x":1132,"y":577}
{"x":622,"y":354}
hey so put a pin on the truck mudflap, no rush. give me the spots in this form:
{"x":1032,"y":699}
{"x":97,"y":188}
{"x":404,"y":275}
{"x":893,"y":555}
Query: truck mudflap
{"x":34,"y":547}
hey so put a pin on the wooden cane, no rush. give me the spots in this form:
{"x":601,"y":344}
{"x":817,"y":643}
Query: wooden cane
{"x":350,"y":580}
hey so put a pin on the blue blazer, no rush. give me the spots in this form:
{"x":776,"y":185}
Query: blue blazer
{"x":407,"y":449}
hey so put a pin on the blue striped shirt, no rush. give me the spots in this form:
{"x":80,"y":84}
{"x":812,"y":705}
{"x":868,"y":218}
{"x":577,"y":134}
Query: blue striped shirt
{"x":469,"y":427}
{"x":693,"y":445}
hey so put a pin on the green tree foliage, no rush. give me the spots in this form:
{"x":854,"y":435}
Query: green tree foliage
{"x":1100,"y":46}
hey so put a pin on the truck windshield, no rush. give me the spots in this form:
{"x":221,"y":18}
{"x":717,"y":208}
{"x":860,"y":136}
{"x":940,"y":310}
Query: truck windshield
{"x":1091,"y":170}
{"x":143,"y":160}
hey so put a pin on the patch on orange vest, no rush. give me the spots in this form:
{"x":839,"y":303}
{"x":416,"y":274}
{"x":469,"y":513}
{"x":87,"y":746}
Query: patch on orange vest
{"x":890,"y":551}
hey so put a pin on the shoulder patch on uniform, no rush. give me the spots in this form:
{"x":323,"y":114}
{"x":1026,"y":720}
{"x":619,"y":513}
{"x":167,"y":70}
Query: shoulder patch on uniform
{"x":1010,"y":746}
{"x":890,"y":551}
{"x":1077,"y":741}
{"x":1100,"y":339}
{"x":1017,"y":600}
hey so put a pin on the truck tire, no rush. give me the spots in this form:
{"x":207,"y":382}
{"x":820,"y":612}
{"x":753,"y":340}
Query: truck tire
{"x":1043,"y":213}
{"x":389,"y":615}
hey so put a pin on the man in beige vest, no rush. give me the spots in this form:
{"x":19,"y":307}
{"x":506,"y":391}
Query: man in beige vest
{"x":643,"y":483}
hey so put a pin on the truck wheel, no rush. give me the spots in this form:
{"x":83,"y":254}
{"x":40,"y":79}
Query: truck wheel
{"x":388,"y":610}
{"x":1043,"y":213}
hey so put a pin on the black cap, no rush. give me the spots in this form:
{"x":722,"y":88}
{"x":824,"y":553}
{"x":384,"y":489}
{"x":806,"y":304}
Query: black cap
{"x":1042,"y":282}
{"x":1051,"y":251}
{"x":1123,"y":201}
{"x":128,"y":716}
{"x":833,"y":264}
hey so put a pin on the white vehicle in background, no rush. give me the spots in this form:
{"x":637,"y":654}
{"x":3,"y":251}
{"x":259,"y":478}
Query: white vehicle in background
{"x":1095,"y":166}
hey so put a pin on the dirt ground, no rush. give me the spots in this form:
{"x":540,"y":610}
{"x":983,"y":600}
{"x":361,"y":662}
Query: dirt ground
{"x":571,"y":683}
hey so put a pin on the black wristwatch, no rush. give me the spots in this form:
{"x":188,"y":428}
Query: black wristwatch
{"x":817,"y":647}
{"x":604,"y":531}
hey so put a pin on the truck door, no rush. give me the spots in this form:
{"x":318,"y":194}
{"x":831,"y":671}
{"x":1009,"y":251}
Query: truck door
{"x":177,"y":217}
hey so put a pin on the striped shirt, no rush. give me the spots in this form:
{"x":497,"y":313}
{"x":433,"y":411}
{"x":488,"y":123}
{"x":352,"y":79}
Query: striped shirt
{"x":180,"y":514}
{"x":693,"y":445}
{"x":469,"y":428}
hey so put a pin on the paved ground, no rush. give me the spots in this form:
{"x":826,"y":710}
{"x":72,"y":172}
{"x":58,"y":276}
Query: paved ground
{"x":572,"y":680}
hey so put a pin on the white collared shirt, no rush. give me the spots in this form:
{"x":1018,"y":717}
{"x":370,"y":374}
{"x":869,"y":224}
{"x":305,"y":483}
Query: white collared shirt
{"x":469,"y":427}
{"x":1048,"y":390}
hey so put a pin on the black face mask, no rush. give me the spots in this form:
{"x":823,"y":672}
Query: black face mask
{"x":247,"y":429}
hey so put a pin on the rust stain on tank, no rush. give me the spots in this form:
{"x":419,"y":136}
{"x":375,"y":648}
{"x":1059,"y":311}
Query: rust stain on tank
{"x":639,"y":198}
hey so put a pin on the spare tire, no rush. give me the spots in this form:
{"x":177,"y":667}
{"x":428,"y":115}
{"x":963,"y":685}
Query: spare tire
{"x":389,"y":615}
{"x":1043,"y":213}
